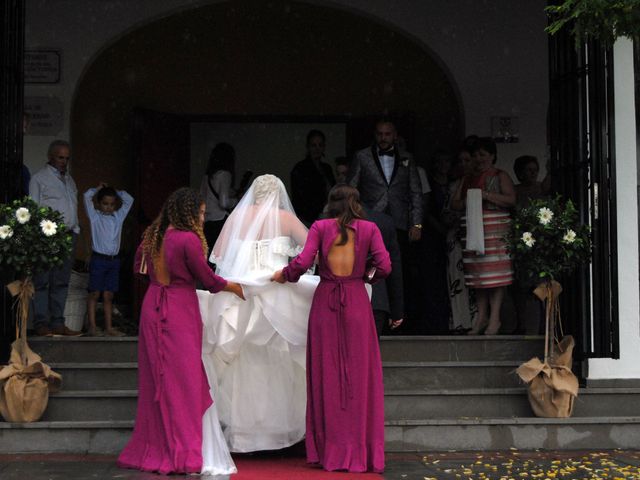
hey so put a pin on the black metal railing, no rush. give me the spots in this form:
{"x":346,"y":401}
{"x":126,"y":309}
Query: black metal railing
{"x":11,"y":114}
{"x":581,"y":133}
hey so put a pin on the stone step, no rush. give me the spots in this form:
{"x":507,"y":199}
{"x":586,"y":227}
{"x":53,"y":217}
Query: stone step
{"x":393,"y":348}
{"x":502,"y":402}
{"x":499,"y":433}
{"x":450,"y":374}
{"x":460,"y":348}
{"x":399,"y":404}
{"x":397,"y":375}
{"x":85,"y":349}
{"x":97,"y":376}
{"x":85,"y":405}
{"x":530,"y":433}
{"x":80,"y":437}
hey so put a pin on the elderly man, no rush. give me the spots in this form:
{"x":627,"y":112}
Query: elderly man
{"x":53,"y":187}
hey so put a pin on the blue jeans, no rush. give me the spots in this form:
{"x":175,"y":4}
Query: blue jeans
{"x":51,"y":293}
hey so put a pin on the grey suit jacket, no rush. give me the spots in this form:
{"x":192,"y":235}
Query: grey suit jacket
{"x":401,"y":197}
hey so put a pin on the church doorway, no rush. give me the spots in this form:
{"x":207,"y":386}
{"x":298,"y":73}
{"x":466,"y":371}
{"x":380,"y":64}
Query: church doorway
{"x":250,"y":61}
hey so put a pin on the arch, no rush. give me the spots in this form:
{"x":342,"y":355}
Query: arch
{"x":308,"y":58}
{"x":322,"y":3}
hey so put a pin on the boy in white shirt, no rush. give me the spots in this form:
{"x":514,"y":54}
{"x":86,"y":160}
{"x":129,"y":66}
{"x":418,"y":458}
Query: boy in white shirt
{"x":107,"y":209}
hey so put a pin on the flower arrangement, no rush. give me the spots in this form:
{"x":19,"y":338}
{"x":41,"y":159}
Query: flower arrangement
{"x":32,"y":238}
{"x":546,"y":240}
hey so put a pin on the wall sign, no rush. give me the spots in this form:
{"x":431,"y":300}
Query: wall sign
{"x":46,"y":115}
{"x":505,"y":129}
{"x":42,"y":66}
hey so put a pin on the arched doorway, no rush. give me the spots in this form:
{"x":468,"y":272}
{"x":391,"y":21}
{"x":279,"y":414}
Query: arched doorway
{"x":257,"y":58}
{"x":251,"y":58}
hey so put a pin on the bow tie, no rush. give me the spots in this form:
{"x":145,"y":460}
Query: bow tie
{"x":389,"y":153}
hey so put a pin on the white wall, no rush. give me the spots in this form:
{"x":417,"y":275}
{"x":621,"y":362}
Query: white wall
{"x":495,"y":50}
{"x":628,"y":366}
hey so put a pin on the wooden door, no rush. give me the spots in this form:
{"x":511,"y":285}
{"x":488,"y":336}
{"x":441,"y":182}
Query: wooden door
{"x":161,"y":158}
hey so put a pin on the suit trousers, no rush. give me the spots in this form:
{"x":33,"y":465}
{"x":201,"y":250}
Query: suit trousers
{"x":51,"y":289}
{"x":410,"y":278}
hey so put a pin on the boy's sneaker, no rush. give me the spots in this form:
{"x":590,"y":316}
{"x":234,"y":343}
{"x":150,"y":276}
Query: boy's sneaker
{"x":114,"y":332}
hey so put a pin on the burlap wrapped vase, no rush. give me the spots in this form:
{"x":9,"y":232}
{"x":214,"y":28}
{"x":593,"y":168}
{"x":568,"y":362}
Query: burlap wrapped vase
{"x":551,"y":385}
{"x":26,"y":381}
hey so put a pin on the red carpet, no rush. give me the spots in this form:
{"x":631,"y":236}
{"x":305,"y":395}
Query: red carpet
{"x":288,"y":468}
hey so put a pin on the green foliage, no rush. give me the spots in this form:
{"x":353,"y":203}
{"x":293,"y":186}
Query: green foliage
{"x":32,"y":240}
{"x":547,"y":239}
{"x":603,"y":20}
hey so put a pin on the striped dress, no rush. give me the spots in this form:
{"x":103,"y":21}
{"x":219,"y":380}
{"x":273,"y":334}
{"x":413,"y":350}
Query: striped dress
{"x":494,"y":268}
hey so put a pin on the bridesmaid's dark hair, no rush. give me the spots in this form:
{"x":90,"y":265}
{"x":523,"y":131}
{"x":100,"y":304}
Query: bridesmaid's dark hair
{"x":344,"y":205}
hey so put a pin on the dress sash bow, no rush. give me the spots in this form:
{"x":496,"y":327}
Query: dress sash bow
{"x":337,"y":302}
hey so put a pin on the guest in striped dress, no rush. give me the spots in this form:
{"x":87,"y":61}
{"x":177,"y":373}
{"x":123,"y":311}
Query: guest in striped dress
{"x":490,"y":272}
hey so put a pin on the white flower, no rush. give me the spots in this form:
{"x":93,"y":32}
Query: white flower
{"x":545,"y":215}
{"x":569,"y":237}
{"x":23,"y":215}
{"x":48,"y":227}
{"x":528,"y":239}
{"x":5,"y":232}
{"x":405,"y":162}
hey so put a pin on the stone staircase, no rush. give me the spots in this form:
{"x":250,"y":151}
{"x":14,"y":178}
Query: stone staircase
{"x":441,"y":393}
{"x":461,"y":393}
{"x":94,"y":411}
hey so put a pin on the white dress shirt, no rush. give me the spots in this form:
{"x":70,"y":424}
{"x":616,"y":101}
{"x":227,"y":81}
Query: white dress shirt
{"x":106,"y":229}
{"x":387,"y":162}
{"x":424,"y":180}
{"x":48,"y":187}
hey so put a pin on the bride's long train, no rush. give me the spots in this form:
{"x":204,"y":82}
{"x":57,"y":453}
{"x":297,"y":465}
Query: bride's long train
{"x":254,"y":357}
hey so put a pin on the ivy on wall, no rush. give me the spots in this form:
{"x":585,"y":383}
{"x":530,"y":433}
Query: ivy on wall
{"x":603,"y":20}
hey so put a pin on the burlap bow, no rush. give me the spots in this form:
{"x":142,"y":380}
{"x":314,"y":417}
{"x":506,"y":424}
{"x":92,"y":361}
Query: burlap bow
{"x":26,"y":382}
{"x":551,"y":385}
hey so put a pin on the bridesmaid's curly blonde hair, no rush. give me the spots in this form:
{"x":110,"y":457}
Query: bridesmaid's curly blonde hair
{"x":181,"y":210}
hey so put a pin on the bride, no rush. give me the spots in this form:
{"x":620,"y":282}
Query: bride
{"x":254,"y":351}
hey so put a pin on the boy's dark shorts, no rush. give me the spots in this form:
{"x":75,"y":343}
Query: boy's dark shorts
{"x":104,"y":273}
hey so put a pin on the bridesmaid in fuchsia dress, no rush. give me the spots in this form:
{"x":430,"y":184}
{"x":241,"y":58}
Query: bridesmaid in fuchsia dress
{"x":345,"y":403}
{"x":173,"y":392}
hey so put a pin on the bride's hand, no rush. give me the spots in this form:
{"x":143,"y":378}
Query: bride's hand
{"x":278,"y":277}
{"x":234,"y":288}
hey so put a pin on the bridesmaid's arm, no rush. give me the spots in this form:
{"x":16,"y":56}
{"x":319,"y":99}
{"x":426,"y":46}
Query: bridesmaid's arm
{"x":303,"y":262}
{"x":198,"y":265}
{"x":379,"y":256}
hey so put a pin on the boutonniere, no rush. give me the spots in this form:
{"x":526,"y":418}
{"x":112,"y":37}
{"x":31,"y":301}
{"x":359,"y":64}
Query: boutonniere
{"x":405,"y":162}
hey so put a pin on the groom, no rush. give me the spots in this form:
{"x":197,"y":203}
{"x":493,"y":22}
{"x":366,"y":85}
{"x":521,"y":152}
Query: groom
{"x":388,"y":182}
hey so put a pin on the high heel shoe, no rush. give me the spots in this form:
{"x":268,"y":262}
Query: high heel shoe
{"x":478,"y":328}
{"x":493,"y":329}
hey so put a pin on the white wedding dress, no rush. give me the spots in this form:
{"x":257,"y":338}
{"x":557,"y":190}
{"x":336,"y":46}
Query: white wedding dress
{"x":254,"y":350}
